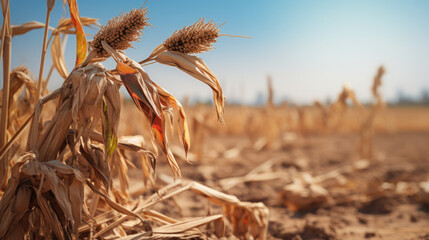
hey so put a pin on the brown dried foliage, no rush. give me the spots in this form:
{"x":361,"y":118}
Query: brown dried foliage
{"x":41,"y":198}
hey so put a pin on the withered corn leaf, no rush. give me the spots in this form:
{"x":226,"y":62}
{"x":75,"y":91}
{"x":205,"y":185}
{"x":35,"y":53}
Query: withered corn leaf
{"x":195,"y":67}
{"x":80,"y":34}
{"x":149,"y":103}
{"x":26,"y":27}
{"x":57,"y":55}
{"x":111,"y":138}
{"x":67,"y":23}
{"x":138,"y":90}
{"x":169,"y":100}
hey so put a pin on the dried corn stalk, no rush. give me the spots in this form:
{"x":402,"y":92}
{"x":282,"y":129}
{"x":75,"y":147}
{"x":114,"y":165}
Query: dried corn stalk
{"x":270,"y":101}
{"x":19,"y":109}
{"x":325,"y":113}
{"x":341,"y":102}
{"x":367,"y":127}
{"x":333,"y":114}
{"x":79,"y":144}
{"x":199,"y":127}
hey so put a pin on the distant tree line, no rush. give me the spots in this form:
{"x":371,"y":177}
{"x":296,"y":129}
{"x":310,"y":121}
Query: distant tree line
{"x":403,"y":99}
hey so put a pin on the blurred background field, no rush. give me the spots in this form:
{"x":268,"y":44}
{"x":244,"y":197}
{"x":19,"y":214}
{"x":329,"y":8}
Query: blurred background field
{"x":261,"y":152}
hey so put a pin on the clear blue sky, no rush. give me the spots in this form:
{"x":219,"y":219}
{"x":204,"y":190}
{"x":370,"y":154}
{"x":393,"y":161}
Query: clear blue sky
{"x":310,"y":48}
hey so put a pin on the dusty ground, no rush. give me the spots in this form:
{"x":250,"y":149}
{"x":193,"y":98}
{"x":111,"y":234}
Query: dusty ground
{"x":360,"y":210}
{"x":366,"y":204}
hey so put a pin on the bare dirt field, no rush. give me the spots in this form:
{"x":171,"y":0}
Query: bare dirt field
{"x":378,"y":201}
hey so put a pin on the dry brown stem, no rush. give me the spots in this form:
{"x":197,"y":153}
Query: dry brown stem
{"x":6,"y":54}
{"x":367,"y":127}
{"x":270,"y":101}
{"x":50,"y":6}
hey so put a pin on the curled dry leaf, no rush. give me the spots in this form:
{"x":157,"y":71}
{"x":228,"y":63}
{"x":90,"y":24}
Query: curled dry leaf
{"x":57,"y":55}
{"x":195,"y":67}
{"x":99,"y":168}
{"x":168,"y":100}
{"x":80,"y":34}
{"x":141,"y":90}
{"x":67,"y":23}
{"x":26,"y":27}
{"x":58,"y":46}
{"x":147,"y":99}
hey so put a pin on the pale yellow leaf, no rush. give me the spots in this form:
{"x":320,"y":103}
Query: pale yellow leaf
{"x":26,"y":27}
{"x":57,"y":54}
